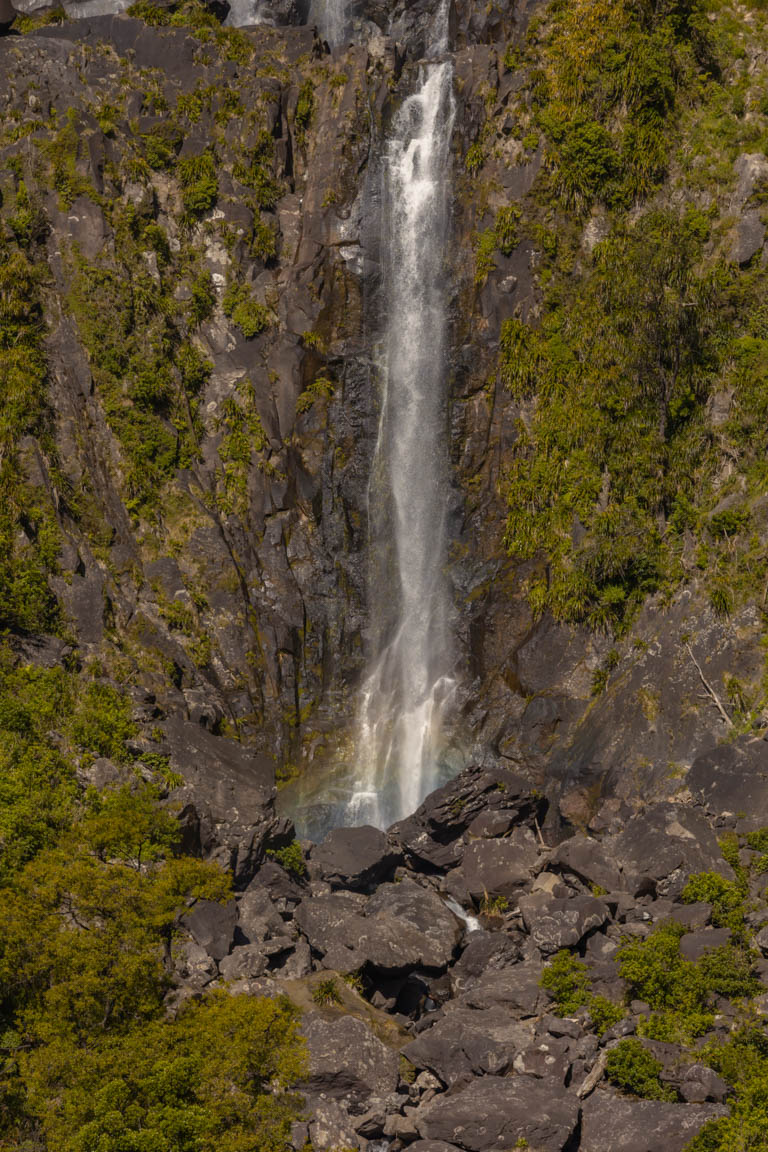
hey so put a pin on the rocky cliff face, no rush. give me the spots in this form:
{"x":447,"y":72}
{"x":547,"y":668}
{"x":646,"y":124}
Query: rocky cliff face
{"x":191,"y":304}
{"x":206,"y":204}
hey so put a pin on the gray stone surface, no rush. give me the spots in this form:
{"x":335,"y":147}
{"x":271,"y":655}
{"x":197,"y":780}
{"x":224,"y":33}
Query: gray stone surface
{"x":346,"y":1061}
{"x":212,"y":925}
{"x":357,"y":858}
{"x":494,"y":1113}
{"x":555,"y":923}
{"x":641,"y":1125}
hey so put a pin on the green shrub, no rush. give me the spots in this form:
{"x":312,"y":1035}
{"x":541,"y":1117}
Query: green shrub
{"x":726,"y":898}
{"x":327,"y":992}
{"x":162,"y":144}
{"x":567,"y":981}
{"x":203,"y":298}
{"x":151,"y":14}
{"x":199,"y":183}
{"x":321,"y":388}
{"x":245,"y":311}
{"x":507,"y":221}
{"x":619,"y":368}
{"x":474,"y":159}
{"x":305,"y":109}
{"x":604,"y":1013}
{"x":102,"y":723}
{"x":634,"y":1070}
{"x":263,"y":245}
{"x":585,"y":158}
{"x":291,"y":858}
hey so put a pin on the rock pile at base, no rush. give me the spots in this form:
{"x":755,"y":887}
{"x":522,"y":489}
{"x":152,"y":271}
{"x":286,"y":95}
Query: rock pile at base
{"x":429,"y":1033}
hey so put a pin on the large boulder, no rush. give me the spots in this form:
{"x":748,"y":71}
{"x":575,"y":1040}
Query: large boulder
{"x":245,"y":963}
{"x":465,"y":1042}
{"x":227,"y":802}
{"x":434,"y":835}
{"x":402,"y":926}
{"x":212,"y":926}
{"x":499,"y":1113}
{"x":556,"y":923}
{"x":346,"y":1061}
{"x":408,"y":926}
{"x":485,"y":952}
{"x":641,"y":1125}
{"x":515,"y":989}
{"x":661,"y":846}
{"x":431,"y":1146}
{"x":357,"y":858}
{"x":493,"y":868}
{"x":258,"y":919}
{"x":586,"y":858}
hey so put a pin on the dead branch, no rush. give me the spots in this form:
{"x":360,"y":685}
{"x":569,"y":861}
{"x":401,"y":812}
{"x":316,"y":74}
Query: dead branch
{"x":710,"y":690}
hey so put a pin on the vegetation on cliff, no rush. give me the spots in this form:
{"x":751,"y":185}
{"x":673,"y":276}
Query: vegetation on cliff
{"x":623,"y":481}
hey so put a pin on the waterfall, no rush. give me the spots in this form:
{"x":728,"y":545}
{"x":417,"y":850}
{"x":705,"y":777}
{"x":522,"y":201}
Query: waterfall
{"x":410,"y":682}
{"x":331,"y":17}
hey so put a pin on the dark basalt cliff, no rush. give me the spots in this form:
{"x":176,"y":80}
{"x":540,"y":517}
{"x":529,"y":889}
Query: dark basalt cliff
{"x":191,"y":307}
{"x":213,"y":535}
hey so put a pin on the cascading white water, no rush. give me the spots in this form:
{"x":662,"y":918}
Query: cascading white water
{"x":410,"y":681}
{"x":331,"y":18}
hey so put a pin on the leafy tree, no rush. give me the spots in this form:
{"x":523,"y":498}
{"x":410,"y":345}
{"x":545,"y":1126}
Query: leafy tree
{"x":212,"y":1080}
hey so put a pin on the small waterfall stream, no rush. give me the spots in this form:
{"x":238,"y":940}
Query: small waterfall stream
{"x":331,"y":18}
{"x":410,"y":681}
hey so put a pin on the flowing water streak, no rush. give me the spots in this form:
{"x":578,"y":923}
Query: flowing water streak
{"x":410,"y":682}
{"x":331,"y":18}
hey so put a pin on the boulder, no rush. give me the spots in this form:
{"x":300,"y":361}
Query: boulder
{"x":749,"y":239}
{"x":431,"y":1146}
{"x":701,"y":1084}
{"x":641,"y":1125}
{"x":280,"y":886}
{"x":212,"y":926}
{"x":192,"y":964}
{"x":330,"y":1125}
{"x":409,"y":927}
{"x":495,"y":867}
{"x":434,"y":834}
{"x":494,"y":1113}
{"x":402,"y":926}
{"x":231,"y":791}
{"x":332,"y":921}
{"x":585,"y":857}
{"x":513,"y":989}
{"x":692,"y":916}
{"x":466,"y":1042}
{"x":245,"y":963}
{"x":346,"y":1061}
{"x":661,"y":846}
{"x":546,"y":1059}
{"x":258,"y":919}
{"x":357,"y":858}
{"x":556,"y":923}
{"x":485,"y":952}
{"x":761,"y":940}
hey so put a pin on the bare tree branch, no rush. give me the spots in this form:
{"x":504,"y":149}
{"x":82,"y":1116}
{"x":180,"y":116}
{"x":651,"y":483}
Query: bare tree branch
{"x":710,"y":690}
